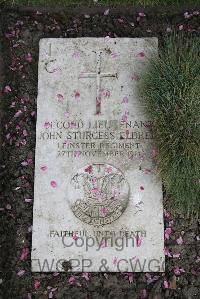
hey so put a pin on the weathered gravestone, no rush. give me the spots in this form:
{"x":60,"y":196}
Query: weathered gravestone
{"x":97,"y":202}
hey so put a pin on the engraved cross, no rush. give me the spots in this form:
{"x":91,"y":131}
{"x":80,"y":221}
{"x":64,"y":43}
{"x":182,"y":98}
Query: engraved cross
{"x":98,"y":75}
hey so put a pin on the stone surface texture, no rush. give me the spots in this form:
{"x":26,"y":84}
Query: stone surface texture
{"x":97,"y":200}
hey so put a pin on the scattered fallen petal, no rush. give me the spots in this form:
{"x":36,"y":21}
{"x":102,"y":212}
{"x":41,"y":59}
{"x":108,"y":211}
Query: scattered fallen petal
{"x":179,"y":241}
{"x":178,"y":271}
{"x":47,"y":125}
{"x":29,"y":57}
{"x":44,"y":168}
{"x":141,"y":14}
{"x":7,"y":89}
{"x":168,"y":232}
{"x":168,"y":29}
{"x":24,"y":254}
{"x":37,"y":284}
{"x":20,"y":273}
{"x":77,"y":95}
{"x":53,"y":184}
{"x":125,"y":100}
{"x":8,"y":207}
{"x":60,"y":97}
{"x":166,"y":284}
{"x":86,"y":275}
{"x":18,"y":113}
{"x":141,"y":55}
{"x":106,"y":12}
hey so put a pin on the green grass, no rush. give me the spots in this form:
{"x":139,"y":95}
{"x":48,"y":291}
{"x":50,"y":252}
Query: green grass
{"x":171,"y":90}
{"x":105,"y":2}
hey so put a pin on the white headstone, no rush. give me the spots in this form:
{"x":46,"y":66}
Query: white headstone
{"x":97,"y":202}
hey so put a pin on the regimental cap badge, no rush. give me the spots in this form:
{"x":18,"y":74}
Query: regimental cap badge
{"x":101,"y":194}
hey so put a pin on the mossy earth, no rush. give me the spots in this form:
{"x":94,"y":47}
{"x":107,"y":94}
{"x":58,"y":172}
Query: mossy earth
{"x":21,"y":30}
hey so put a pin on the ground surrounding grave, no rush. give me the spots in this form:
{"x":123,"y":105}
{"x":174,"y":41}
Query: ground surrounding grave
{"x":21,"y":31}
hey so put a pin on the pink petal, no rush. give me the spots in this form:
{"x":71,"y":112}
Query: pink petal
{"x":114,"y":55}
{"x":167,"y":252}
{"x":109,"y":169}
{"x":154,"y":153}
{"x":179,"y":241}
{"x":76,"y":55}
{"x":29,"y":58}
{"x":130,"y":277}
{"x":60,"y":97}
{"x":8,"y":136}
{"x":178,"y":271}
{"x":168,"y":232}
{"x":8,"y":207}
{"x":53,"y":184}
{"x":37,"y":284}
{"x":144,"y":294}
{"x":141,"y":55}
{"x":77,"y":154}
{"x":168,"y":29}
{"x":25,"y":133}
{"x":20,"y":273}
{"x":77,"y":95}
{"x":142,"y":14}
{"x":47,"y":125}
{"x":67,"y":114}
{"x":104,"y":211}
{"x":24,"y":254}
{"x":75,"y":237}
{"x":138,"y":241}
{"x":72,"y":280}
{"x":10,"y":34}
{"x":88,"y":169}
{"x":187,"y":15}
{"x":147,"y":171}
{"x":18,"y":113}
{"x":104,"y":244}
{"x":124,"y":118}
{"x":197,"y":259}
{"x":125,"y":100}
{"x":106,"y":12}
{"x":86,"y":275}
{"x":135,"y":77}
{"x":7,"y":89}
{"x":166,"y":284}
{"x":114,"y":261}
{"x":28,"y":200}
{"x":30,"y":161}
{"x":106,"y":93}
{"x":44,"y":168}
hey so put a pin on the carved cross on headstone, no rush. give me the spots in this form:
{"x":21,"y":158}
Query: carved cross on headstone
{"x":98,"y":75}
